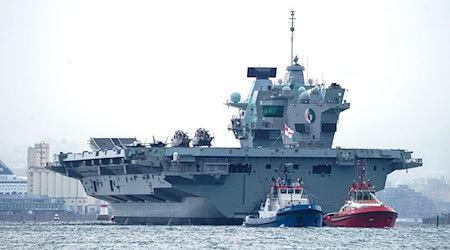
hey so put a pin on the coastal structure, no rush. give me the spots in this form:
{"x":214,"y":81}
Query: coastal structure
{"x":10,"y":183}
{"x":103,"y":213}
{"x":288,"y":122}
{"x":29,"y":204}
{"x":41,"y":181}
{"x":39,"y":155}
{"x":409,"y":204}
{"x":443,"y":219}
{"x":17,"y":204}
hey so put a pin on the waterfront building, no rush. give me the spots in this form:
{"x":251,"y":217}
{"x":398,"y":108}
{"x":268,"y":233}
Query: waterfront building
{"x":44,"y":182}
{"x":408,"y":203}
{"x":10,"y":183}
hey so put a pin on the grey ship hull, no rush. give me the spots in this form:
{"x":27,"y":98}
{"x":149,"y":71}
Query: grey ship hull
{"x":191,"y":211}
{"x":219,"y":185}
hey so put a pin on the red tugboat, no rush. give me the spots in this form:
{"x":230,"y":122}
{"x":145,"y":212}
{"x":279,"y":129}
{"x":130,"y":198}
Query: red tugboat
{"x":362,"y":209}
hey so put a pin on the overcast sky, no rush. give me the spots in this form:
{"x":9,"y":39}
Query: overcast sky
{"x":71,"y":70}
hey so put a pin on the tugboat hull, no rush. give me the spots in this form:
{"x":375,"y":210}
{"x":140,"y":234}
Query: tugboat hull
{"x":295,"y":216}
{"x":375,"y":217}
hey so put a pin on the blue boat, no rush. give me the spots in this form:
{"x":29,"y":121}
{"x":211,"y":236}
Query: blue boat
{"x":286,"y":205}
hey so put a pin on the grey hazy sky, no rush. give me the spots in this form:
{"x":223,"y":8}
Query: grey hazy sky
{"x":70,"y":70}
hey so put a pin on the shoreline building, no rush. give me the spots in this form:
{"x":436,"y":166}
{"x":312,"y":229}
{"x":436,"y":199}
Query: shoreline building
{"x":10,"y":183}
{"x":17,"y":204}
{"x":408,"y":203}
{"x":44,"y":182}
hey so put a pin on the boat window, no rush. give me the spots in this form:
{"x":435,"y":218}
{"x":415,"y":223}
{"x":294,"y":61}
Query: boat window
{"x":261,"y":207}
{"x":290,"y":191}
{"x":297,"y":191}
{"x":283,"y":191}
{"x":273,"y":111}
{"x":358,"y":195}
{"x":268,"y":166}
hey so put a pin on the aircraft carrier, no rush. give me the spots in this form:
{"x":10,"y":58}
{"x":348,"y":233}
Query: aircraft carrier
{"x":288,"y":124}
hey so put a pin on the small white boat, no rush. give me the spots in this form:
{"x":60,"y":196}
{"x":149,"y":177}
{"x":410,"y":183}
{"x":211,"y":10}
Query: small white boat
{"x":56,"y":217}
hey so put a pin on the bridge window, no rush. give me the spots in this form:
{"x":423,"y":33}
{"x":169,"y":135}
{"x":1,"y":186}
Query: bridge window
{"x":328,"y":127}
{"x":322,"y":169}
{"x":273,"y":111}
{"x":301,"y":128}
{"x":261,"y":134}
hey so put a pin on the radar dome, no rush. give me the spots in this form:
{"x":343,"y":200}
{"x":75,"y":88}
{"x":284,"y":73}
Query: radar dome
{"x":286,"y":90}
{"x":301,"y":89}
{"x":304,"y":97}
{"x":235,"y":97}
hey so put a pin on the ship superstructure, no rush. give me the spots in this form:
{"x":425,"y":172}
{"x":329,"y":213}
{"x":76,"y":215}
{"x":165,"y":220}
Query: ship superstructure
{"x":291,"y":122}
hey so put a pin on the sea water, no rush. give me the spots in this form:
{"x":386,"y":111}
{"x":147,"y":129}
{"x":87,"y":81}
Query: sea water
{"x":93,"y":235}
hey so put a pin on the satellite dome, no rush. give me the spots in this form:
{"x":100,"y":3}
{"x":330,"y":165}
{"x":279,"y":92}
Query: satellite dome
{"x":286,"y":90}
{"x":235,"y":97}
{"x":304,"y":97}
{"x":301,"y":89}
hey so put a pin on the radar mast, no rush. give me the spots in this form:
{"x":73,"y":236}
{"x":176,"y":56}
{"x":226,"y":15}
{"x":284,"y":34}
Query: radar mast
{"x":292,"y":18}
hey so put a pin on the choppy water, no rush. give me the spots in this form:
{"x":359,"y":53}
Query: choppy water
{"x":62,"y":235}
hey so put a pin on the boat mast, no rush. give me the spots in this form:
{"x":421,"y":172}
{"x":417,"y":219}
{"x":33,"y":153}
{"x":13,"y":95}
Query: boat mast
{"x":292,"y":18}
{"x":362,"y":170}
